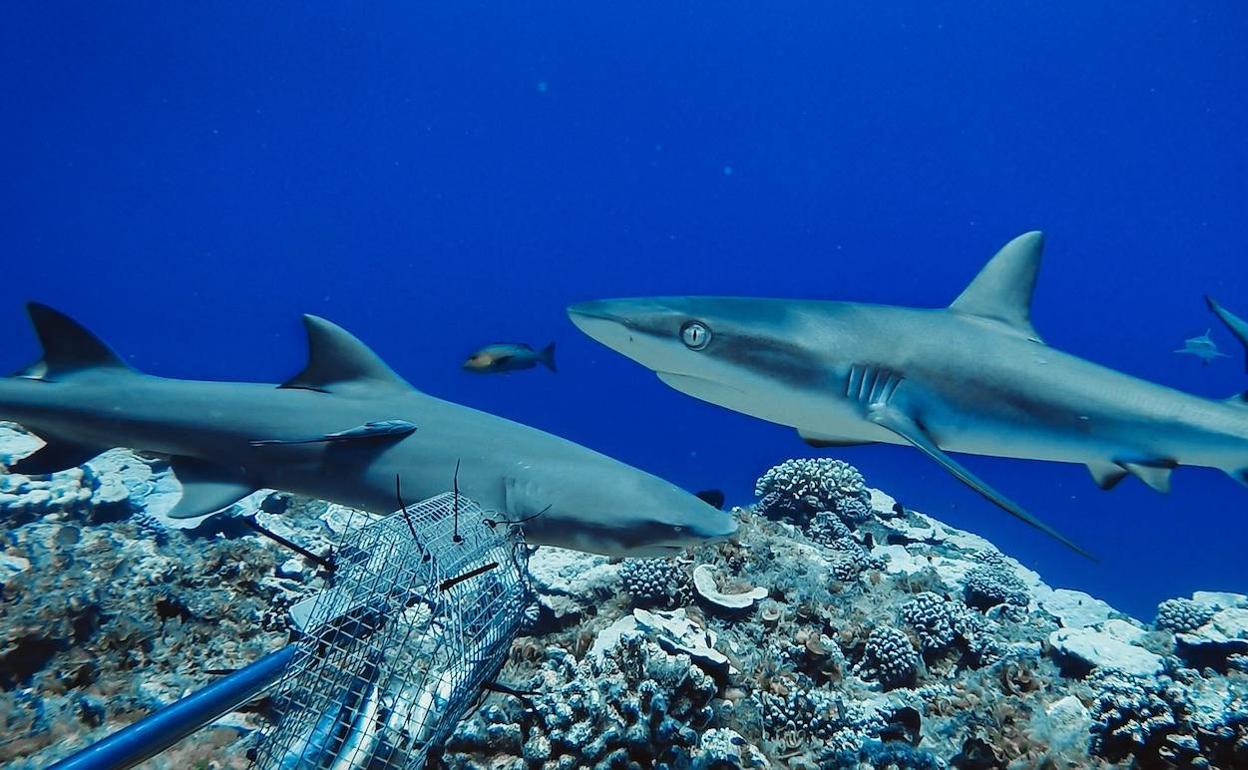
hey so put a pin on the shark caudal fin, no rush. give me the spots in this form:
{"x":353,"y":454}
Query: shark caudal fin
{"x":67,"y":346}
{"x":1237,"y":325}
{"x":547,"y":356}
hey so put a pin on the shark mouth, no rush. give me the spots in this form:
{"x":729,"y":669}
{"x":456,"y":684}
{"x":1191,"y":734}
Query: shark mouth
{"x":698,"y":387}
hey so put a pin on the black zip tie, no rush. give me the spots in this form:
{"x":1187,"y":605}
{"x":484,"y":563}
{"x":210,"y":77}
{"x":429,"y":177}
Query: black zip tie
{"x":455,"y":537}
{"x":398,"y":493}
{"x":450,"y":583}
{"x":494,"y":522}
{"x":304,"y":552}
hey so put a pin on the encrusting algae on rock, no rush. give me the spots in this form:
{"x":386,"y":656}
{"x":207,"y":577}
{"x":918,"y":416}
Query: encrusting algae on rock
{"x":839,"y":630}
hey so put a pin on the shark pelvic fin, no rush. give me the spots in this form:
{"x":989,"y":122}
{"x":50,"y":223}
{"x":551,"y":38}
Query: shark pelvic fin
{"x":206,"y":487}
{"x":1107,"y":474}
{"x":819,"y":441}
{"x":67,"y":346}
{"x":1154,"y":474}
{"x":370,"y":432}
{"x":336,"y":357}
{"x":905,"y":426}
{"x":1237,"y":325}
{"x":1002,"y":291}
{"x":53,"y":457}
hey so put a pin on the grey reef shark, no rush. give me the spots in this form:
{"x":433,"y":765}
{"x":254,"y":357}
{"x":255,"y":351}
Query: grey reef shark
{"x":974,"y":377}
{"x":1202,"y":347}
{"x":345,"y":429}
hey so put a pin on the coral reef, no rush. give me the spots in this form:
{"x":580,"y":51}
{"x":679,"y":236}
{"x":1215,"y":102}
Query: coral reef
{"x":1182,"y":615}
{"x":838,"y":630}
{"x":801,"y":489}
{"x":657,"y":582}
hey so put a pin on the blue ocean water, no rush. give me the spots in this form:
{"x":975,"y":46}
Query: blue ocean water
{"x":187,"y":178}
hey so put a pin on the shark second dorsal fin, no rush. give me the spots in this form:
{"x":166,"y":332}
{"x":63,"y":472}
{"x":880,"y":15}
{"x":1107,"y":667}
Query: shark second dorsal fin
{"x":1002,"y":291}
{"x":336,"y":358}
{"x":67,"y":346}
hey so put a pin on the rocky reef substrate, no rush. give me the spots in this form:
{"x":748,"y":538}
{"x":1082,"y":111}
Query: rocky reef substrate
{"x":840,"y":630}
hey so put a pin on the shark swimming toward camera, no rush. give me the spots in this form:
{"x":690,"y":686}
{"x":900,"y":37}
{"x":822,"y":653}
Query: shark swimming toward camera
{"x":974,"y":377}
{"x":1202,"y":347}
{"x":346,"y":429}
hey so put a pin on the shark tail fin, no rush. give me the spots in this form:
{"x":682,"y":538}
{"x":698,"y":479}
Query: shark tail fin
{"x":1237,"y":325}
{"x":67,"y":346}
{"x":547,"y":356}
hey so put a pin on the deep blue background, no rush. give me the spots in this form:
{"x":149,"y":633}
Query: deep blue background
{"x":188,"y":178}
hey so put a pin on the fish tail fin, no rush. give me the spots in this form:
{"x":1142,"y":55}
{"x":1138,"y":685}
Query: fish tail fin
{"x":68,"y":346}
{"x":1236,"y":325}
{"x":547,"y":356}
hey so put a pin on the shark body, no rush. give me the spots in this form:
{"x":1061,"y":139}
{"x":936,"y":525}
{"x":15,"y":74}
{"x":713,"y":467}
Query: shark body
{"x":1202,"y":347}
{"x":346,"y":429}
{"x":974,"y":378}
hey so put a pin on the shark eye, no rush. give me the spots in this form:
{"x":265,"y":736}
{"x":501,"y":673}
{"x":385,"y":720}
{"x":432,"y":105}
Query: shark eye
{"x":695,"y":335}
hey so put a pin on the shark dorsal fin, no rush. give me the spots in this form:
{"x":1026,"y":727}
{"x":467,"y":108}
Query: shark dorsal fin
{"x":1236,"y":325}
{"x":1002,"y":290}
{"x":67,"y":346}
{"x":337,"y":358}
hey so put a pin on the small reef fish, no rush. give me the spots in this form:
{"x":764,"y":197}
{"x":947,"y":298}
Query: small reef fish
{"x":1203,"y":347}
{"x":974,"y":377}
{"x":510,"y":357}
{"x":345,"y":429}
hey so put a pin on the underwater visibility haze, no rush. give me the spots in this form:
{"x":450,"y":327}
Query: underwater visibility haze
{"x":445,"y":179}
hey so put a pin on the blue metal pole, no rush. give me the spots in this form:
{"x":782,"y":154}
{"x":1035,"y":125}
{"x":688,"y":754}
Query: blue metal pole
{"x":161,"y":729}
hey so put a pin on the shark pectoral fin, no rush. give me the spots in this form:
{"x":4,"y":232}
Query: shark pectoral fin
{"x":54,"y":456}
{"x":821,"y":441}
{"x":336,"y":357}
{"x":905,"y":426}
{"x":379,"y":431}
{"x":206,"y":487}
{"x":1154,"y":474}
{"x":1106,"y":474}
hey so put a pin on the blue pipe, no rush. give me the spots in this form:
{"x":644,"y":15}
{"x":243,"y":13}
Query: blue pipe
{"x":161,"y":729}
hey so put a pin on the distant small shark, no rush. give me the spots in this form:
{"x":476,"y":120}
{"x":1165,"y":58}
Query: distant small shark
{"x":974,"y":377}
{"x":1203,"y":347}
{"x":345,"y":429}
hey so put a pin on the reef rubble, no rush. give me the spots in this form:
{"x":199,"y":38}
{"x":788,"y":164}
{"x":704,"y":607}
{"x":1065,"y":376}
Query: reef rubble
{"x":840,"y":629}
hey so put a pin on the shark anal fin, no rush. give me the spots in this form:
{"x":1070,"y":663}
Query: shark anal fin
{"x":1003,"y":289}
{"x":67,"y":346}
{"x":820,"y":441}
{"x":1154,"y":474}
{"x":905,"y":426}
{"x":336,"y":358}
{"x":370,"y":432}
{"x":53,"y":457}
{"x":207,"y":487}
{"x":1106,"y":474}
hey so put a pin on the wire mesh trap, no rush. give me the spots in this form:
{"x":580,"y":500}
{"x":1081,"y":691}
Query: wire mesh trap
{"x":423,"y":609}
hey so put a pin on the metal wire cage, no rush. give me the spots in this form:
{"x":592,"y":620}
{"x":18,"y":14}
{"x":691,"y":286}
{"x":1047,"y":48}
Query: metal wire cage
{"x":423,"y":609}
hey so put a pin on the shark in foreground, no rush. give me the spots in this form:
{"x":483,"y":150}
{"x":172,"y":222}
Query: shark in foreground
{"x":344,"y":429}
{"x":974,"y":377}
